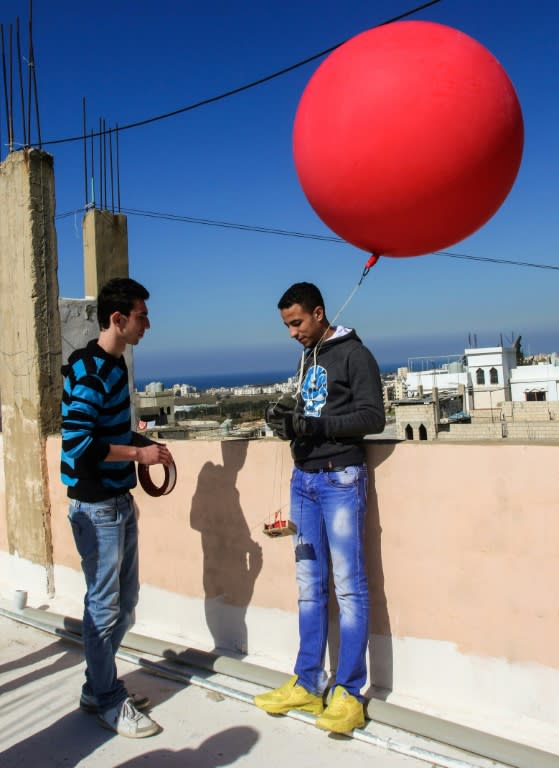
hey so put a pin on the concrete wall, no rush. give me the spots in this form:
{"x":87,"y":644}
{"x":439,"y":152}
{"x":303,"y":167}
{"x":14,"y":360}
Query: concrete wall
{"x":415,"y":417}
{"x":531,"y":411}
{"x":439,"y":378}
{"x":3,"y":517}
{"x":510,"y":421}
{"x":78,"y":320}
{"x":463,"y":556}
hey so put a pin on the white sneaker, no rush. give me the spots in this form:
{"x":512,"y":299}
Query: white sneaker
{"x":125,"y":720}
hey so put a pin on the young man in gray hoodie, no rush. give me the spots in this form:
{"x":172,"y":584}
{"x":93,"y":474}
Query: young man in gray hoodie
{"x":339,"y":401}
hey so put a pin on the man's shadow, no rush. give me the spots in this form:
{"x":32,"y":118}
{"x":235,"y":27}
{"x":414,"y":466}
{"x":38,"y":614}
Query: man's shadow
{"x":65,"y":660}
{"x":232,"y":560}
{"x":76,"y":735}
{"x":380,"y":632}
{"x":223,"y":748}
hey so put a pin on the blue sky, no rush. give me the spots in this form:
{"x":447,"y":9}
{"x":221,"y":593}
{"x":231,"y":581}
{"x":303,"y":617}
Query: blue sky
{"x":214,"y":291}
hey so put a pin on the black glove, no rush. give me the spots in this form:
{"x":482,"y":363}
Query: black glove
{"x":275,"y":411}
{"x":307,"y":426}
{"x":288,"y":424}
{"x":280,"y":419}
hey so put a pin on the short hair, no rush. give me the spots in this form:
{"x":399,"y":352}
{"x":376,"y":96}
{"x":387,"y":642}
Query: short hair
{"x":305,"y":294}
{"x":118,"y":295}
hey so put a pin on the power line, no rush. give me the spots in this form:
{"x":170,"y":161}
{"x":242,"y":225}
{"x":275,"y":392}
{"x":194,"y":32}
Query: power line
{"x":247,"y":86}
{"x":292,"y":233}
{"x":496,"y":261}
{"x":232,"y":225}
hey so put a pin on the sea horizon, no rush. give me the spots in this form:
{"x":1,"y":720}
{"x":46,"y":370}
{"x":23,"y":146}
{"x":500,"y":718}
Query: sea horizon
{"x":215,"y":380}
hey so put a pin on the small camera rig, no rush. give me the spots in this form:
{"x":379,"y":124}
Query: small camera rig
{"x":279,"y":527}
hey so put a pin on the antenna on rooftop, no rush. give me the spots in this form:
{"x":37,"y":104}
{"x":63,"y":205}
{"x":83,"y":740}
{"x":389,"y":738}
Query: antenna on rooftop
{"x":85,"y":179}
{"x":20,"y":70}
{"x":33,"y":79}
{"x":92,"y":171}
{"x":117,"y":169}
{"x":8,"y":74}
{"x":7,"y":106}
{"x":109,"y":164}
{"x":100,"y":163}
{"x":111,"y":168}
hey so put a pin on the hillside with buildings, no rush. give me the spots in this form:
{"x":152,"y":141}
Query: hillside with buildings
{"x":485,"y":393}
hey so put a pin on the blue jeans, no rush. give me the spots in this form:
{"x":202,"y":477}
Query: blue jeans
{"x":106,"y":535}
{"x":328,"y":509}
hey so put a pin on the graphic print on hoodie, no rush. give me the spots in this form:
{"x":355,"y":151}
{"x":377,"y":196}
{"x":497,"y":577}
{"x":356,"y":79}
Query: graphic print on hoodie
{"x":315,"y":390}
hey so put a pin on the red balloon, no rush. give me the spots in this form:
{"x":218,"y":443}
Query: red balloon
{"x":408,"y":138}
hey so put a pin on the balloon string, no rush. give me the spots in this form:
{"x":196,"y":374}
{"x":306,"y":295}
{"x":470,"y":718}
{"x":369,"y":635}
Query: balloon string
{"x":370,"y":263}
{"x":302,"y":367}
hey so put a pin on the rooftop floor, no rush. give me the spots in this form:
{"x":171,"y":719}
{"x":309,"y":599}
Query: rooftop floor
{"x":41,"y":724}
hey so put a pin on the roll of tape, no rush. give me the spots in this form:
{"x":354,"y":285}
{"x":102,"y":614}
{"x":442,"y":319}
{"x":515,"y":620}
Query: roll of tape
{"x":149,"y":486}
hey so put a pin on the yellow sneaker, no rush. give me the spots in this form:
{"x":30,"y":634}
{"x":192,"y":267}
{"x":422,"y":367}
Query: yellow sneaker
{"x":344,"y":713}
{"x":289,"y":696}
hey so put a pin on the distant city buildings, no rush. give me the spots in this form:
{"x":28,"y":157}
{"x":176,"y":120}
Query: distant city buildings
{"x":483,"y":394}
{"x":490,"y":375}
{"x":189,"y":391}
{"x":185,"y":390}
{"x":162,"y":409}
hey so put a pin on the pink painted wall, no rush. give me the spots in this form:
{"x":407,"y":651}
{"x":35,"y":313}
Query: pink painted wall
{"x":470,"y":546}
{"x":463,"y":540}
{"x":3,"y":529}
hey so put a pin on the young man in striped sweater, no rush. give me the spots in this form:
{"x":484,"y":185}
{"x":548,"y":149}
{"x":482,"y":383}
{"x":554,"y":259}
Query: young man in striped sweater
{"x":97,"y":465}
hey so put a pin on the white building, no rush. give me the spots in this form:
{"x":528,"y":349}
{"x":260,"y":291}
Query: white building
{"x":247,"y":389}
{"x":491,"y":376}
{"x":446,"y":379}
{"x":185,"y":390}
{"x":489,"y":370}
{"x":535,"y":382}
{"x":154,"y":388}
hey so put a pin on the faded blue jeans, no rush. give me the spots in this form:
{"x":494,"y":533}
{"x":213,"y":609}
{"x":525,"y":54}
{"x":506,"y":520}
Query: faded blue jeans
{"x":328,"y":509}
{"x":106,"y":535}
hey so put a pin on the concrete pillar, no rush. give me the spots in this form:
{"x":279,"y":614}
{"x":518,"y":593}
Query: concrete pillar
{"x":105,"y":248}
{"x":30,"y":348}
{"x":105,"y":255}
{"x":464,"y":395}
{"x":436,"y":410}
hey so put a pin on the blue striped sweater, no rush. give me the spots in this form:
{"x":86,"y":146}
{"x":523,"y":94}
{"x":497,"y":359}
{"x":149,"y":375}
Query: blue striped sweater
{"x":95,"y":413}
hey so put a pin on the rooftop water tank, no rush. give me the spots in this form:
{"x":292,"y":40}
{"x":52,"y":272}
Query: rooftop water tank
{"x":455,"y":368}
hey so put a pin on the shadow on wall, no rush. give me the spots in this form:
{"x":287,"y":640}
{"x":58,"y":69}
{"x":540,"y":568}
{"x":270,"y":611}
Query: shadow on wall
{"x":380,"y":633}
{"x":232,"y":560}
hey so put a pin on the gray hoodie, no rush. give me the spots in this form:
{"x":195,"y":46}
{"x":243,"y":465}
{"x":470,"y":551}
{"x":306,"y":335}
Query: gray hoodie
{"x":344,"y":391}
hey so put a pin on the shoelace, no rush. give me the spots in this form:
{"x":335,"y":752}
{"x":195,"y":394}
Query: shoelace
{"x":338,"y":703}
{"x":129,"y":711}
